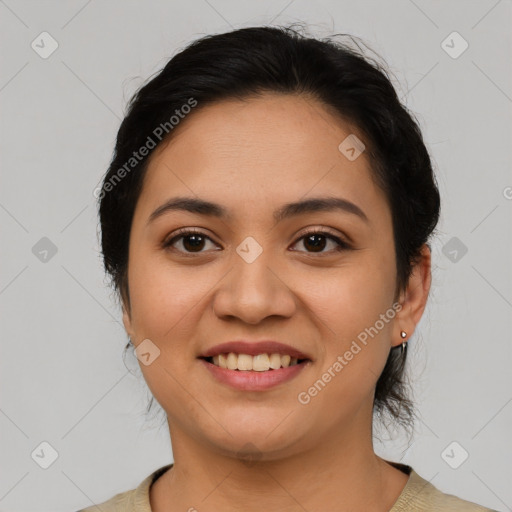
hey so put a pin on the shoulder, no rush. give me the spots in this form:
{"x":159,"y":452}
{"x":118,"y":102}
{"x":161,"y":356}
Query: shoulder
{"x":419,"y":495}
{"x":134,"y":500}
{"x":124,"y":501}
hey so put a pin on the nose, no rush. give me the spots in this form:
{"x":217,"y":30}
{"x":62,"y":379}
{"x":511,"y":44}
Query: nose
{"x":254,"y":291}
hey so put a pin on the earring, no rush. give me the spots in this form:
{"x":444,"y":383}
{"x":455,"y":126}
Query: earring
{"x":403,"y":335}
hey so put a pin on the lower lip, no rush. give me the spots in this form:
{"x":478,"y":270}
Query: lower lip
{"x":250,"y":380}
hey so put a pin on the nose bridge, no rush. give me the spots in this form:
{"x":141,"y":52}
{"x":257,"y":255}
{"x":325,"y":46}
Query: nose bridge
{"x":252,"y":269}
{"x":253,"y":289}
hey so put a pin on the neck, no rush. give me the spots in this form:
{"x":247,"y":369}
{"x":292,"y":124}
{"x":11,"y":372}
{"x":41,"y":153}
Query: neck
{"x":340,"y":473}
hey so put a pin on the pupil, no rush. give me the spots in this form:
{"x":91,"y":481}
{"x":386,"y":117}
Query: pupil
{"x":317,"y":246}
{"x":196,"y":241}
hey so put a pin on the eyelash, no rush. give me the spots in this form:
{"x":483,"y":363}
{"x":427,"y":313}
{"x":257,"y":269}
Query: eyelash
{"x":182,"y":233}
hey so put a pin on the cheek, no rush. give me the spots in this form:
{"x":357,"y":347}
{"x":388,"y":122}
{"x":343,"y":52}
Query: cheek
{"x":355,"y":345}
{"x":352,"y":297}
{"x":354,"y":305}
{"x":165,"y":304}
{"x":163,"y":295}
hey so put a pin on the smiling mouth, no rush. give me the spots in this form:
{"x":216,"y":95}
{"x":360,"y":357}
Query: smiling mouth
{"x":258,"y":363}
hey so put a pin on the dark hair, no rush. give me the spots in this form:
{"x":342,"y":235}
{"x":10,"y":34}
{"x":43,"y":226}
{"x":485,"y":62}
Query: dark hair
{"x":252,"y":61}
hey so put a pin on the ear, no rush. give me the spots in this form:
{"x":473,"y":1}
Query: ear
{"x":414,"y":299}
{"x":128,"y":323}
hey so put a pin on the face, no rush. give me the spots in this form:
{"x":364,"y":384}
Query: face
{"x":249,"y":275}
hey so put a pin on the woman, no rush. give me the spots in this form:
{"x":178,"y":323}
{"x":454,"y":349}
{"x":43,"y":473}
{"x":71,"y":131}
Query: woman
{"x":265,"y":221}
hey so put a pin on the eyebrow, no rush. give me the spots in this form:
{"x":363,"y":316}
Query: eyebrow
{"x":203,"y":207}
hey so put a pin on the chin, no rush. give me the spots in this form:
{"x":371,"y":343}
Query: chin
{"x":258,"y":442}
{"x":252,"y":451}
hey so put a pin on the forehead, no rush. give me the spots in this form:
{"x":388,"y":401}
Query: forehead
{"x":264,"y":150}
{"x":272,"y":128}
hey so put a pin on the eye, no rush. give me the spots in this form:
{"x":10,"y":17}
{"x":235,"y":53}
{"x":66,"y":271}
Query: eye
{"x":317,"y":241}
{"x":192,"y":241}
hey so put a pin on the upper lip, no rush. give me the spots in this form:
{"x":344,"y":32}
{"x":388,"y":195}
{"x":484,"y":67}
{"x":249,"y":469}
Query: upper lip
{"x":253,"y":348}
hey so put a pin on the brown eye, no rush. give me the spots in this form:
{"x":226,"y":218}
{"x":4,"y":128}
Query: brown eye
{"x":316,"y":241}
{"x":191,"y":241}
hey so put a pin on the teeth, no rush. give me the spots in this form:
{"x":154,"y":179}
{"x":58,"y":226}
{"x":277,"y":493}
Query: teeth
{"x":232,"y":361}
{"x":274,"y":361}
{"x":285,"y":361}
{"x":259,"y":363}
{"x":244,"y":362}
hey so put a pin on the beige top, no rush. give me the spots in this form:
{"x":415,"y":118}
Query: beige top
{"x":418,"y":495}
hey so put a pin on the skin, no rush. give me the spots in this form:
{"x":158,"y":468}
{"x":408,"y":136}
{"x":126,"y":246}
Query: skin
{"x":252,"y":157}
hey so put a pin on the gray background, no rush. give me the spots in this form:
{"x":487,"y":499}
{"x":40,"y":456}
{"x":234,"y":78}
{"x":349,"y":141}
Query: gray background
{"x":63,"y":379}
